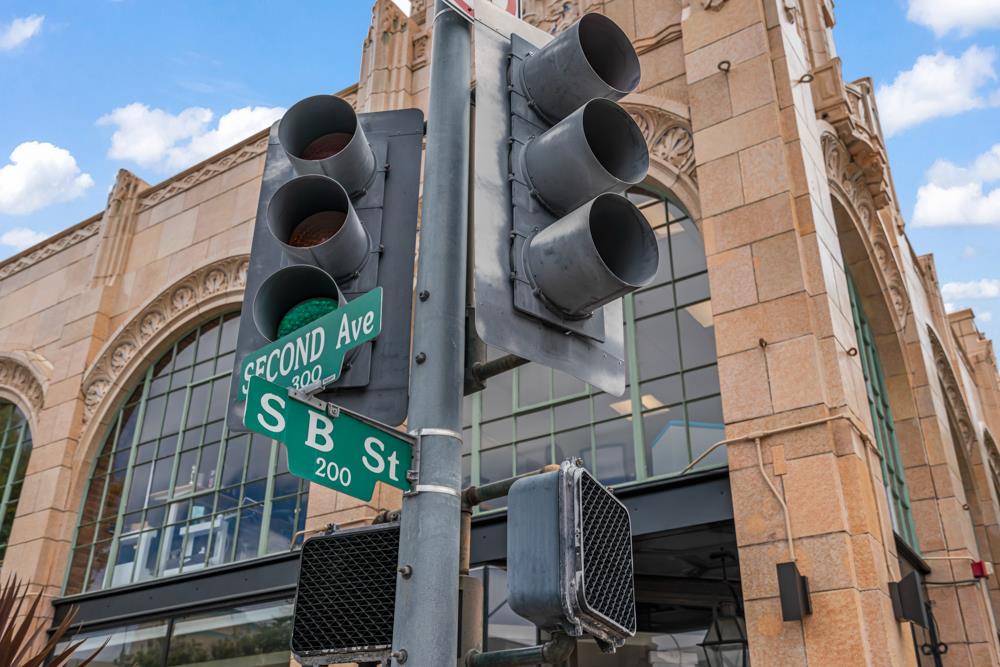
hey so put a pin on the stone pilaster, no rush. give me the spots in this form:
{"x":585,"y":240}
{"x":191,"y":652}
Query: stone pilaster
{"x":784,"y":330}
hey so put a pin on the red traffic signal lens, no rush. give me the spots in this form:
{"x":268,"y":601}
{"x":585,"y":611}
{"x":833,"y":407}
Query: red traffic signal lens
{"x":326,"y":146}
{"x":317,"y":228}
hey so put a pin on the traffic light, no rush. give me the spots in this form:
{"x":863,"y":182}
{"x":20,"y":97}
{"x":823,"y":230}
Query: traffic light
{"x":569,"y":556}
{"x":556,"y":243}
{"x":344,"y":602}
{"x":336,"y":220}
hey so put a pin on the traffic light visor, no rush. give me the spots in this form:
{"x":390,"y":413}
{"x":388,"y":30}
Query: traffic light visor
{"x":592,"y":256}
{"x":321,"y":135}
{"x":592,"y":58}
{"x":598,"y":148}
{"x":286,"y":289}
{"x":313,"y":220}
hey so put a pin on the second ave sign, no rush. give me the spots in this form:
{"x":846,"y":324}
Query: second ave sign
{"x":329,"y":445}
{"x":312,"y":357}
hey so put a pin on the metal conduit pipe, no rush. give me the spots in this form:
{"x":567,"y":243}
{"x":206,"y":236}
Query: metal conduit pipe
{"x":474,"y":495}
{"x":552,"y":652}
{"x":757,"y":436}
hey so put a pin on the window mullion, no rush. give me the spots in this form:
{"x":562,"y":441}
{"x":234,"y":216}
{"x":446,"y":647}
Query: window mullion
{"x":127,"y":485}
{"x":265,"y":519}
{"x":635,"y":391}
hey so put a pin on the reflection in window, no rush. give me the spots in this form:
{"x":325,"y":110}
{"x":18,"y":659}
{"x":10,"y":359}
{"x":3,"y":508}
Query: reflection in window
{"x":671,"y":411}
{"x":173,"y":490}
{"x":15,"y":449}
{"x":667,"y":634}
{"x":253,"y":634}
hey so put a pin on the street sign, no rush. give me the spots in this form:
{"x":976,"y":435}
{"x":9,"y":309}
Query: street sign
{"x":312,"y":357}
{"x":467,"y":8}
{"x":329,"y":445}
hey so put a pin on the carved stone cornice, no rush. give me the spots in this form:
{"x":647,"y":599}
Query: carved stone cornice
{"x":223,"y":278}
{"x":953,"y":393}
{"x":255,"y":145}
{"x":51,"y":247}
{"x":847,"y":179}
{"x":852,"y":111}
{"x":667,"y":135}
{"x":19,"y":379}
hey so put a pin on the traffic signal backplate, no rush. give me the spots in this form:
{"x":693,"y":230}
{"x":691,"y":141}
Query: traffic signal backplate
{"x":376,"y":384}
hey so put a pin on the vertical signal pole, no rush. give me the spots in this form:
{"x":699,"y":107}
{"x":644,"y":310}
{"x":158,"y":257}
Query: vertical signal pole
{"x":425,"y":633}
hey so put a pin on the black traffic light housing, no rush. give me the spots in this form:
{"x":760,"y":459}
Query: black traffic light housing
{"x":557,"y":243}
{"x":328,"y":168}
{"x":346,"y":595}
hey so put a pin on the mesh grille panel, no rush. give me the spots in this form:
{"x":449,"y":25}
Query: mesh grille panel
{"x":607,"y":555}
{"x":347,"y":592}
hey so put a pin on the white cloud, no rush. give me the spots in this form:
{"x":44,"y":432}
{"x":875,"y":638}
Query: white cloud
{"x":19,"y":31}
{"x":937,"y":85}
{"x":404,"y":5}
{"x":985,"y":317}
{"x":962,"y":16}
{"x":960,"y":195}
{"x":986,"y":288}
{"x":169,"y":142}
{"x":950,"y":307}
{"x":21,"y":237}
{"x":39,"y":174}
{"x":968,"y":251}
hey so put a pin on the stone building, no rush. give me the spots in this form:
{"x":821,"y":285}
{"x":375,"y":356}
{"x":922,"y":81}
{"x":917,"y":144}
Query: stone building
{"x":790,"y":318}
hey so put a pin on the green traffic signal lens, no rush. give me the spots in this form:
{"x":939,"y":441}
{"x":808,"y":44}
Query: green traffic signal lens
{"x":304,"y":313}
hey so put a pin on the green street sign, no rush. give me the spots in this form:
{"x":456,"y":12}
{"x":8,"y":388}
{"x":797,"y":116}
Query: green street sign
{"x":329,"y":445}
{"x":313,"y":356}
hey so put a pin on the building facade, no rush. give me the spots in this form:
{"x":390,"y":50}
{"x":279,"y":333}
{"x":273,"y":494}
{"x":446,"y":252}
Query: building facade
{"x":790,"y":321}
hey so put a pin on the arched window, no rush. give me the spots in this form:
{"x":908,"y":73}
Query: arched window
{"x":671,"y":411}
{"x":885,"y":428}
{"x":172,"y":489}
{"x":15,"y":449}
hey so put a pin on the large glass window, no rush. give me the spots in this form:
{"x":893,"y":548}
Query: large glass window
{"x":885,"y":428}
{"x":173,"y":490}
{"x":671,"y":411}
{"x":15,"y":448}
{"x":252,"y":634}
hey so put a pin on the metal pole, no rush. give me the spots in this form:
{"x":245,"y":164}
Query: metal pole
{"x":425,"y":633}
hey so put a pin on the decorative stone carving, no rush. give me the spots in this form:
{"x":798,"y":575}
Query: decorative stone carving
{"x":853,"y":112}
{"x":56,"y":244}
{"x":668,"y":137}
{"x":118,"y":226}
{"x":554,"y":16}
{"x":256,"y":145}
{"x":715,"y":5}
{"x":21,"y":380}
{"x":227,"y":276}
{"x":668,"y":34}
{"x":420,"y":44}
{"x":849,"y":179}
{"x":953,"y":394}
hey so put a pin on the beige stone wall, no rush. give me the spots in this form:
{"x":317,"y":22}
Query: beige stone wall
{"x":790,"y":183}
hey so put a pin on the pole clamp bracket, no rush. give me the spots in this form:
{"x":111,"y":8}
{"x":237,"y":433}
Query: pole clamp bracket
{"x":435,"y":488}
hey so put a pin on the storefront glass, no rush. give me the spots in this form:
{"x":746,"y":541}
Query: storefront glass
{"x":255,"y":634}
{"x":670,"y":637}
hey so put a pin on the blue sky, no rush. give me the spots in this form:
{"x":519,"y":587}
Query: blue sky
{"x":91,"y":87}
